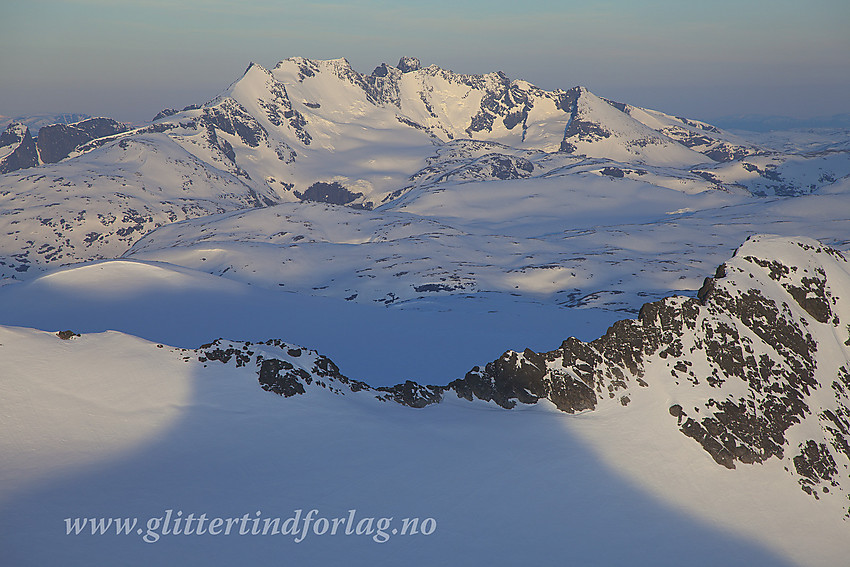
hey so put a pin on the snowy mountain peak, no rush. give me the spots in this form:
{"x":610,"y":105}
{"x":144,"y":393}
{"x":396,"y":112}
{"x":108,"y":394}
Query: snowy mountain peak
{"x":250,"y":66}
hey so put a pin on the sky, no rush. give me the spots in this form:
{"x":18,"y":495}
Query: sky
{"x":128,"y":59}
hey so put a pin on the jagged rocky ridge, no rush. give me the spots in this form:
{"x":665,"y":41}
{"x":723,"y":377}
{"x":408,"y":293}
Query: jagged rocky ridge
{"x":757,"y":367}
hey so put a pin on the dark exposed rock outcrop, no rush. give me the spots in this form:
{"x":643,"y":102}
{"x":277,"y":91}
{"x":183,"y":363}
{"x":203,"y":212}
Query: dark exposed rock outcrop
{"x":333,"y":192}
{"x":408,"y":64}
{"x":23,"y":152}
{"x":57,"y":141}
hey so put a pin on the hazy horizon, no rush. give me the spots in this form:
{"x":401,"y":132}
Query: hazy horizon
{"x":128,"y":60}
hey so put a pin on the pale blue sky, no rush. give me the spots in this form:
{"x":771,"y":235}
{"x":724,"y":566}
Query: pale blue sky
{"x":129,"y":59}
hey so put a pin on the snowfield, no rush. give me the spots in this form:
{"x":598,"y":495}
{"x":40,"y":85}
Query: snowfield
{"x":113,"y":426}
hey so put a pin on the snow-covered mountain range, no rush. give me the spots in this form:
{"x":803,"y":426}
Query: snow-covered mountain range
{"x":319,"y":122}
{"x":410,"y":224}
{"x":403,"y":138}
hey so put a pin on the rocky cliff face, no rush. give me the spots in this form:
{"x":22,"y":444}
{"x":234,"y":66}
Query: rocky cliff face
{"x":756,"y":368}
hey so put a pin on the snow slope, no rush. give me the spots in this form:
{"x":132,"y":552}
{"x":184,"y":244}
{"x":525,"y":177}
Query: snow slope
{"x":551,"y":243}
{"x":97,"y":205}
{"x":197,"y":433}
